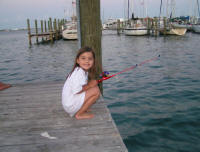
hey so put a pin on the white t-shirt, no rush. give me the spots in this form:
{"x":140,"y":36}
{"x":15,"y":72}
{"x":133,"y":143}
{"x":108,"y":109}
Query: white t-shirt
{"x":72,"y":101}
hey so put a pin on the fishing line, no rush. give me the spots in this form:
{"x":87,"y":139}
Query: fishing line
{"x":105,"y":74}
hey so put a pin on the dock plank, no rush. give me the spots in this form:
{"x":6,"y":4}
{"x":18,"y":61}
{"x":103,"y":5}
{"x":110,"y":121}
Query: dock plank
{"x":27,"y":110}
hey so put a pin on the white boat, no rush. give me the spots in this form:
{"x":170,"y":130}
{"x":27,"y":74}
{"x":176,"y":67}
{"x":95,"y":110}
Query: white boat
{"x":177,"y":31}
{"x":196,"y":28}
{"x":171,"y":28}
{"x":110,"y":24}
{"x":135,"y":31}
{"x":69,"y":34}
{"x":70,"y":31}
{"x":196,"y":20}
{"x":136,"y":28}
{"x":174,"y":31}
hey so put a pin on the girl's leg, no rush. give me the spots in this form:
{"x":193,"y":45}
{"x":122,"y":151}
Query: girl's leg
{"x":91,"y":96}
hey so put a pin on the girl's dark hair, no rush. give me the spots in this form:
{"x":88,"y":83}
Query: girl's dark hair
{"x":92,"y":70}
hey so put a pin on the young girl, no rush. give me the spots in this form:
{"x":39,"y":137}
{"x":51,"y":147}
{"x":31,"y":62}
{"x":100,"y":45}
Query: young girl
{"x":78,"y":94}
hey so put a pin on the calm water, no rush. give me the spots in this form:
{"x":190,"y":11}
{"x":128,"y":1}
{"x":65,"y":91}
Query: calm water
{"x":156,"y":106}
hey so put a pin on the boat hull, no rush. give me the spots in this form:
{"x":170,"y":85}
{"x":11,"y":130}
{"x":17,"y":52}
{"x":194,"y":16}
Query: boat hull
{"x":175,"y":31}
{"x":196,"y":28}
{"x":69,"y":34}
{"x":135,"y":32}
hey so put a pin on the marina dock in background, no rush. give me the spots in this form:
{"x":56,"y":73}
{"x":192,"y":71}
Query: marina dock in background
{"x":132,"y":27}
{"x":50,"y":31}
{"x":32,"y":119}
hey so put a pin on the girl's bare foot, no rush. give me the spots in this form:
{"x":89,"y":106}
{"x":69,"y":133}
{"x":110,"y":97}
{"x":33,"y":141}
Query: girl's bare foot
{"x":84,"y":116}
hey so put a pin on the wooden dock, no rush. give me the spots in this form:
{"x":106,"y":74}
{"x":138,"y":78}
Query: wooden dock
{"x":28,"y":112}
{"x":47,"y":34}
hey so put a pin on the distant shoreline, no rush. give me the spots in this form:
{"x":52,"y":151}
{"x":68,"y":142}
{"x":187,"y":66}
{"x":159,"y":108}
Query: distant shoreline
{"x":15,"y":29}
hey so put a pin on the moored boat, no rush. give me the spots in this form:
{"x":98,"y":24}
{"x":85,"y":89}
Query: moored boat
{"x":70,"y":31}
{"x":196,"y":28}
{"x":177,"y":31}
{"x":174,"y":31}
{"x":135,"y":31}
{"x":135,"y":28}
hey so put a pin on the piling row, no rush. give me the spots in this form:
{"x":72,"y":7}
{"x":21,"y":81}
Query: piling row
{"x":49,"y":31}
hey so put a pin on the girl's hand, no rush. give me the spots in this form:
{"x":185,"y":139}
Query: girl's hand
{"x":90,"y":84}
{"x":93,"y":83}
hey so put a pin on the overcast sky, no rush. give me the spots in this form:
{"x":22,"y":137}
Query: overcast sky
{"x":13,"y":13}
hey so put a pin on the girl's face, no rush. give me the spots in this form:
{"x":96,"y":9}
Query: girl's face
{"x":85,"y":61}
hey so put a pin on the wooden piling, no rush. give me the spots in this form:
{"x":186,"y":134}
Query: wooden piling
{"x":118,"y":27}
{"x":156,"y":26}
{"x":51,"y":30}
{"x":152,"y":26}
{"x":165,"y":26}
{"x":55,"y":29}
{"x":29,"y":32}
{"x":90,"y":28}
{"x":45,"y":28}
{"x":36,"y":31}
{"x":41,"y":22}
{"x":148,"y":25}
{"x":59,"y":27}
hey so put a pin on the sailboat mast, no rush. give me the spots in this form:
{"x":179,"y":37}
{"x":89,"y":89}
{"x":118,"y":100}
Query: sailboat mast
{"x":128,"y":9}
{"x":160,"y":8}
{"x":167,"y":13}
{"x":143,"y":9}
{"x":172,"y":9}
{"x":198,"y":7}
{"x":73,"y":8}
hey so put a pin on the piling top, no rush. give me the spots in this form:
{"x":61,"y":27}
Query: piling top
{"x":32,"y":119}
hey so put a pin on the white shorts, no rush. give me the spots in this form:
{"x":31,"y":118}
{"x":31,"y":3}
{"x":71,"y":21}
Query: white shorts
{"x":78,"y":100}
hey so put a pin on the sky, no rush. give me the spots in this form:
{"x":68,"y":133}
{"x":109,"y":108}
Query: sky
{"x":14,"y":13}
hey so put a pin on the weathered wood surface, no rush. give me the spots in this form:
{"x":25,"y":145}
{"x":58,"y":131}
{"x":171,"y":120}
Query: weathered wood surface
{"x":28,"y":110}
{"x":90,"y":30}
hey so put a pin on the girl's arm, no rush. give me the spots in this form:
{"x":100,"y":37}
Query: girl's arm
{"x":90,"y":84}
{"x":93,"y":83}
